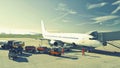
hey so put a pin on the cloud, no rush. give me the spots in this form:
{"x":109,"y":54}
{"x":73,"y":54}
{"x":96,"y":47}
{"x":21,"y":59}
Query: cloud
{"x":92,"y":6}
{"x":63,"y":8}
{"x":65,"y":20}
{"x":60,"y":17}
{"x":116,"y":2}
{"x":116,"y":10}
{"x":116,"y":22}
{"x":80,"y":24}
{"x":102,"y":19}
{"x":72,"y":12}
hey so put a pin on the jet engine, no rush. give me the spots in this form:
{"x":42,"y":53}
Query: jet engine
{"x":55,"y":43}
{"x":52,"y":42}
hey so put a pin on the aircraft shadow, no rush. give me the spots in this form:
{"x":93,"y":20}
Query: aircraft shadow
{"x":99,"y":51}
{"x":70,"y":57}
{"x":93,"y":56}
{"x":3,"y":49}
{"x":107,"y":53}
{"x":21,"y":59}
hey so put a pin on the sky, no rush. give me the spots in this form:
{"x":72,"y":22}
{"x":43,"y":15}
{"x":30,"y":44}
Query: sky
{"x":69,"y":16}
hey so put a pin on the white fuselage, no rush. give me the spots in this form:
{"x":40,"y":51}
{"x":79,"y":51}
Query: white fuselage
{"x":79,"y":39}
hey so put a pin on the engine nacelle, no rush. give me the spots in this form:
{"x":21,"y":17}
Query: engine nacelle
{"x":56,"y":43}
{"x":104,"y":43}
{"x":52,"y":42}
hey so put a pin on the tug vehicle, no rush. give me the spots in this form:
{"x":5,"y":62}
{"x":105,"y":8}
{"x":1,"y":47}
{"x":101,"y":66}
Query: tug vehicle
{"x":13,"y":43}
{"x":55,"y":51}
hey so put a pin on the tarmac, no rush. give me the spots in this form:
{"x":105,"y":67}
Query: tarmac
{"x":103,"y":57}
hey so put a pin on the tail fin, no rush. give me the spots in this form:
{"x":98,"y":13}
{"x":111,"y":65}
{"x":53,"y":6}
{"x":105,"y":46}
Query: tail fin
{"x":43,"y":29}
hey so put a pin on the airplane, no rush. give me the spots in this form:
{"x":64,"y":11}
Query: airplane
{"x":70,"y":38}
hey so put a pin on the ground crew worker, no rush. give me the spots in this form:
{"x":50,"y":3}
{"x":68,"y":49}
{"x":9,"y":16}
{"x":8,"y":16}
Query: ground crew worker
{"x":12,"y":54}
{"x":83,"y":51}
{"x":19,"y":49}
{"x":62,"y":51}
